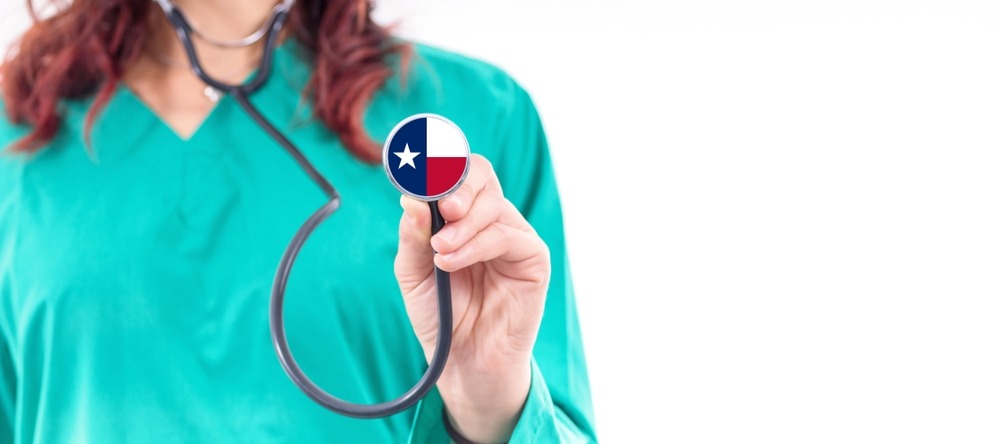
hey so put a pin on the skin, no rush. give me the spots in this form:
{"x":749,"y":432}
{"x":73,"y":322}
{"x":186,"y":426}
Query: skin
{"x":500,"y":274}
{"x":161,"y":77}
{"x":500,"y":266}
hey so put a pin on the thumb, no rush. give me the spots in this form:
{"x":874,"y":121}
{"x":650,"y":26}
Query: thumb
{"x":415,"y":259}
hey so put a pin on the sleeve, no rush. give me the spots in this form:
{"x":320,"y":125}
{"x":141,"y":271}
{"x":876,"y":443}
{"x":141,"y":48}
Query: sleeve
{"x":8,"y":373}
{"x":8,"y":389}
{"x":9,"y":174}
{"x":558,"y":408}
{"x":8,"y":376}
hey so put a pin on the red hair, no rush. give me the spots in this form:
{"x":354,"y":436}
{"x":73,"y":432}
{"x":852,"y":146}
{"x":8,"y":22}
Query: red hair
{"x":83,"y":49}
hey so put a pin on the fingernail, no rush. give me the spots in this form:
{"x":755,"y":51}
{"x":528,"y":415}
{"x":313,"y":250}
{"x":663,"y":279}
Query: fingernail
{"x":447,"y":233}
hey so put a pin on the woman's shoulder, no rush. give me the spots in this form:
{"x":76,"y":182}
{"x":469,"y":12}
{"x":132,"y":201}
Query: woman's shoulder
{"x":453,"y":66}
{"x":494,"y":111}
{"x":440,"y":78}
{"x":10,"y":162}
{"x":10,"y":132}
{"x":483,"y":99}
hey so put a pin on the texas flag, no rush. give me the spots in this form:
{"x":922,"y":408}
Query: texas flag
{"x":426,"y":156}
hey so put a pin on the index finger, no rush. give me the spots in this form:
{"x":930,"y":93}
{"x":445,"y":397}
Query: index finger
{"x":481,"y":178}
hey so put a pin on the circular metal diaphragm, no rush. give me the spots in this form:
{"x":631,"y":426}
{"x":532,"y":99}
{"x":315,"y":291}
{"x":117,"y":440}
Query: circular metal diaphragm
{"x":426,"y":156}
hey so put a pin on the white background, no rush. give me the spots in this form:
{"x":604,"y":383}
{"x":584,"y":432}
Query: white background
{"x":784,"y":216}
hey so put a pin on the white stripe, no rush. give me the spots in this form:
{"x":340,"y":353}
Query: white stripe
{"x":445,"y":140}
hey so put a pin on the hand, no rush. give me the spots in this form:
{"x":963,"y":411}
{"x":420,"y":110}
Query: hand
{"x":499,"y":277}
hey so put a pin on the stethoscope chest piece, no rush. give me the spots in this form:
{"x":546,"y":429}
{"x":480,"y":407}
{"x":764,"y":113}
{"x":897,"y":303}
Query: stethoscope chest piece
{"x":426,"y":157}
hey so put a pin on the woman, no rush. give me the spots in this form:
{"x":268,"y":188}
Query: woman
{"x":142,"y":216}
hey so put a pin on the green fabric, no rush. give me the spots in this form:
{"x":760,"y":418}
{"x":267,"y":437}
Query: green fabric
{"x":135,"y":278}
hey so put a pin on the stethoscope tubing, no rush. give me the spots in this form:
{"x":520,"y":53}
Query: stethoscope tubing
{"x":276,"y":321}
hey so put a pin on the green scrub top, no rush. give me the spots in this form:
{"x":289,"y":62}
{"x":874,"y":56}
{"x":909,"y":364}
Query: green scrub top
{"x":135,"y":277}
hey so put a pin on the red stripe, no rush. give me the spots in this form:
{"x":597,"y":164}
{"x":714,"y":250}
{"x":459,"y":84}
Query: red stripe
{"x":443,"y":173}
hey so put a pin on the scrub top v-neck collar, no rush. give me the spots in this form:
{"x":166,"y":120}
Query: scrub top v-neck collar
{"x":208,"y":139}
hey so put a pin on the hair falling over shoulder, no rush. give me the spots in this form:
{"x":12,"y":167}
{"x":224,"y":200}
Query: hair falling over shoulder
{"x":83,"y":49}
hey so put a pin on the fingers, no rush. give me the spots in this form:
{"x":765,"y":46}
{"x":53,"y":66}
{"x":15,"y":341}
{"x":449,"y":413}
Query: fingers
{"x":414,"y":260}
{"x":497,"y":241}
{"x":481,"y":177}
{"x":482,"y":226}
{"x":415,"y":225}
{"x":485,"y":210}
{"x":478,"y":203}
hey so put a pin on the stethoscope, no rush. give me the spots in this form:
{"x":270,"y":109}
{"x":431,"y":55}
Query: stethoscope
{"x":269,"y":33}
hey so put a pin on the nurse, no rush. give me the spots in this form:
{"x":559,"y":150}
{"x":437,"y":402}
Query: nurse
{"x":142,"y":215}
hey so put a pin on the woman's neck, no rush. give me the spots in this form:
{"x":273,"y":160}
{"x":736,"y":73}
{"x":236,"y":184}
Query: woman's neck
{"x":163,"y":78}
{"x":226,"y":19}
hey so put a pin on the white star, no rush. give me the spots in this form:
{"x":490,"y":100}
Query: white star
{"x":406,"y":157}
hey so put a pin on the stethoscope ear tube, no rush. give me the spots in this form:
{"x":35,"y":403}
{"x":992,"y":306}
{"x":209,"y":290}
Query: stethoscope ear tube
{"x":276,"y":316}
{"x":317,"y":394}
{"x":276,"y":310}
{"x":184,"y":32}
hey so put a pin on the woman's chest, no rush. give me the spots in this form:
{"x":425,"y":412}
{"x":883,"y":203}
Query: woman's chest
{"x":193,"y":240}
